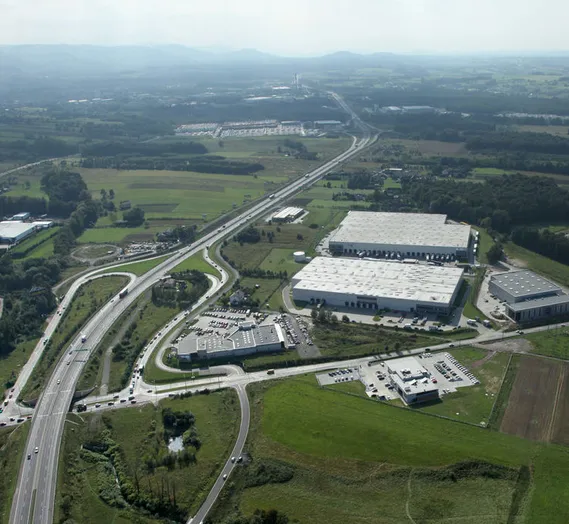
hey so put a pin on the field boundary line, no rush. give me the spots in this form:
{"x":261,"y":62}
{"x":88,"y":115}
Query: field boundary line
{"x":554,"y":415}
{"x":500,"y":389}
{"x":409,"y":493}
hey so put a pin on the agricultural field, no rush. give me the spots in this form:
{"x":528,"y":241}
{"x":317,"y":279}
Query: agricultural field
{"x":537,"y":406}
{"x":319,"y":455}
{"x":198,"y":263}
{"x":474,"y":403}
{"x":87,"y":490}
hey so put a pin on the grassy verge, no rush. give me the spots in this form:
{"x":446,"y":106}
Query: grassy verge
{"x":551,"y":343}
{"x":473,"y":404}
{"x":92,"y":487}
{"x":138,"y":268}
{"x":12,"y":444}
{"x":323,"y":456}
{"x":470,"y":310}
{"x":89,"y":298}
{"x":154,"y":375}
{"x":501,"y":402}
{"x":150,"y":319}
{"x":538,"y":263}
{"x":198,"y":263}
{"x":484,"y":244}
{"x":11,"y":364}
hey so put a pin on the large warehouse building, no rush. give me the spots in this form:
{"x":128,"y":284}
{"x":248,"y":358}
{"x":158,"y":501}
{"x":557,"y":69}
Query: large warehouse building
{"x":529,"y":297}
{"x":377,"y":284}
{"x":409,"y":235}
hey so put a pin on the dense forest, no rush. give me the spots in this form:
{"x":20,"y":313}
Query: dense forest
{"x":498,"y":203}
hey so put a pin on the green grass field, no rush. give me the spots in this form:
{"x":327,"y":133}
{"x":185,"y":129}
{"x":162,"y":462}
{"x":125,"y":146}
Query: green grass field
{"x":43,"y":242}
{"x":138,"y":268}
{"x":348,"y":340}
{"x":85,"y":304}
{"x":198,"y":263}
{"x":538,"y":263}
{"x":352,"y":458}
{"x":12,"y":444}
{"x":119,"y":235}
{"x":474,"y":403}
{"x":551,"y":343}
{"x":83,"y":481}
{"x":268,"y":292}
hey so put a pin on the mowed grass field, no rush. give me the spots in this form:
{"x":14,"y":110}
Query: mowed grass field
{"x":139,"y":432}
{"x":544,"y":266}
{"x":355,"y":461}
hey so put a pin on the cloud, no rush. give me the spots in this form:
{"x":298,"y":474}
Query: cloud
{"x":295,"y":27}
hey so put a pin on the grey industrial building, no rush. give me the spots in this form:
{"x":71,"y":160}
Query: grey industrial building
{"x":288,"y":214}
{"x":529,"y":297}
{"x":377,"y":284}
{"x":248,"y":339}
{"x":411,"y":380}
{"x":407,"y":235}
{"x":12,"y":232}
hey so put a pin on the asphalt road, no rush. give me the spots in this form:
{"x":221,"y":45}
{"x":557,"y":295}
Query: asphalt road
{"x":35,"y":491}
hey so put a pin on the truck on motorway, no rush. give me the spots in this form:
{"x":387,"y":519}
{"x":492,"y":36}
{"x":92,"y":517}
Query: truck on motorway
{"x":83,"y":338}
{"x":123,"y":293}
{"x":271,"y":372}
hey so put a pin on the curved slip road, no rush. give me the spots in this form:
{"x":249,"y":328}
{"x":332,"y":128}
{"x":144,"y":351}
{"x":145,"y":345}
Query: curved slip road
{"x":35,"y":490}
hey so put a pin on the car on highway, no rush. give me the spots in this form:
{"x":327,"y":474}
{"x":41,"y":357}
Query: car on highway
{"x":232,"y":459}
{"x":36,"y":450}
{"x":123,"y":400}
{"x":110,"y":403}
{"x":59,"y":381}
{"x":225,"y":476}
{"x":29,"y":456}
{"x":97,"y":405}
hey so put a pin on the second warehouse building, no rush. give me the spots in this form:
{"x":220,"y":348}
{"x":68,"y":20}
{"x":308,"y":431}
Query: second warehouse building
{"x":409,"y":235}
{"x":377,"y":284}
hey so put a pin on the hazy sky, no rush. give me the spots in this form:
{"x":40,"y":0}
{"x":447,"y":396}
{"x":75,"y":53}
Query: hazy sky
{"x":294,"y":27}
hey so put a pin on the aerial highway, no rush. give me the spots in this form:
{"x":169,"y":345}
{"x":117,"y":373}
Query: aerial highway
{"x":35,"y":491}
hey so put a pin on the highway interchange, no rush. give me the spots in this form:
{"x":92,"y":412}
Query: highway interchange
{"x":35,"y":491}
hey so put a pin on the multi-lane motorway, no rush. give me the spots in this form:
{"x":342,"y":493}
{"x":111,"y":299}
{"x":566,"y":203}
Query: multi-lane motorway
{"x":35,"y":491}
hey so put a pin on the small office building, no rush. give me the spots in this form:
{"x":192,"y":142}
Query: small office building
{"x":411,"y":380}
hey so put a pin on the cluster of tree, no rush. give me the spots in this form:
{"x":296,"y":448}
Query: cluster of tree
{"x":65,"y":190}
{"x":179,"y":234}
{"x":542,"y":143}
{"x":190,"y":286}
{"x":200,"y":164}
{"x":249,"y":235}
{"x":134,"y":217}
{"x":498,"y":203}
{"x":180,"y":423}
{"x":84,"y":216}
{"x":446,"y":127}
{"x":26,"y":290}
{"x":300,"y":149}
{"x":323,"y":316}
{"x":11,"y":205}
{"x":544,"y":242}
{"x":148,"y":149}
{"x":364,"y":180}
{"x":155,"y":497}
{"x":40,"y":148}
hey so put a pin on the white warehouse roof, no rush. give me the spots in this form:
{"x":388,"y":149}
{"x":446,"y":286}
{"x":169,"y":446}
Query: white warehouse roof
{"x":377,"y":278}
{"x":288,"y":212}
{"x":524,"y":282}
{"x":404,"y":229}
{"x":12,"y":229}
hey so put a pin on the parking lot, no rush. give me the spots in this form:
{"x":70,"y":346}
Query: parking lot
{"x":442,"y":368}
